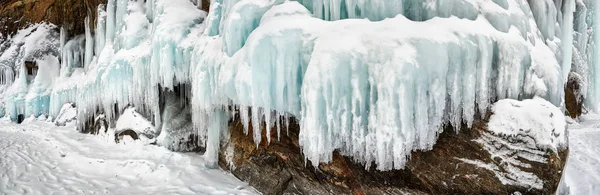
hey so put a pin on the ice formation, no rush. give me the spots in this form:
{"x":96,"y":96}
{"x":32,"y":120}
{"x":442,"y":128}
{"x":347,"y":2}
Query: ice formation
{"x":374,"y":80}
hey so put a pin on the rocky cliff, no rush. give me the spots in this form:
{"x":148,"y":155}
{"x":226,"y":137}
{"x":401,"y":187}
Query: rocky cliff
{"x":70,"y":14}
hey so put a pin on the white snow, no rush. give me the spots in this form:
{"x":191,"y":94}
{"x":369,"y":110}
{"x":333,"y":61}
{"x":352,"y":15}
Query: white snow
{"x":38,"y":158}
{"x":520,"y":132}
{"x":582,"y":173}
{"x":130,"y":119}
{"x":535,"y":122}
{"x":375,"y":80}
{"x":67,"y":115}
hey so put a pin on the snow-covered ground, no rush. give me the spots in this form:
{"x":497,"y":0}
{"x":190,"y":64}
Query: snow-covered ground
{"x":583,"y":166}
{"x":40,"y":158}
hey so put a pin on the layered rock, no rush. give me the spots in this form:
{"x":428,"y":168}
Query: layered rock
{"x":472,"y":161}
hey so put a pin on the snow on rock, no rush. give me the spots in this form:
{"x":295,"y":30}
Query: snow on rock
{"x":67,"y":114}
{"x":130,"y":119}
{"x":376,"y":86}
{"x":535,"y":122}
{"x":341,"y":79}
{"x":521,"y":133}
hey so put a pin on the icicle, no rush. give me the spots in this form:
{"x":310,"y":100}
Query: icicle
{"x":594,"y":92}
{"x":89,"y":43}
{"x":567,"y":39}
{"x":100,"y":29}
{"x":217,"y":124}
{"x":110,"y":21}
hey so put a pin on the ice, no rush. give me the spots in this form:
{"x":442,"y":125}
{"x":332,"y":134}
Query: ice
{"x":110,"y":21}
{"x":594,"y":57}
{"x":36,"y":45}
{"x":567,"y":38}
{"x":89,"y":44}
{"x":341,"y":80}
{"x":176,"y":129}
{"x":100,"y":34}
{"x":244,"y":18}
{"x":73,"y":55}
{"x":373,"y":80}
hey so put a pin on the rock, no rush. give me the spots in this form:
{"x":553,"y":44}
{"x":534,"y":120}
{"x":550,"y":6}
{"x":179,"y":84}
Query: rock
{"x":120,"y":135}
{"x":17,"y":14}
{"x":131,"y":120}
{"x":94,"y":124}
{"x":67,"y":114}
{"x":573,"y":97}
{"x":177,"y":132}
{"x":459,"y":163}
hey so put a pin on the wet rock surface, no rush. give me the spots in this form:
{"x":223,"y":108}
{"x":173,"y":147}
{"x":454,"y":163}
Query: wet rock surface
{"x":460,"y":163}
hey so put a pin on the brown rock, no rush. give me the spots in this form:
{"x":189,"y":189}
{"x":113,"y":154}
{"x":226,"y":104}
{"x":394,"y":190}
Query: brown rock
{"x":573,"y":98}
{"x":460,"y":163}
{"x":70,"y":14}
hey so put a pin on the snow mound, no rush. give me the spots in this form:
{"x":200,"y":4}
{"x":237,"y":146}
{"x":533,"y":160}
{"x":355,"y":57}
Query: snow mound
{"x":132,"y":120}
{"x":67,"y":114}
{"x":521,"y":134}
{"x":535,"y":122}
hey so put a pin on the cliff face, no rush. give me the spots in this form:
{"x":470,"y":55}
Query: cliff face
{"x":70,"y":14}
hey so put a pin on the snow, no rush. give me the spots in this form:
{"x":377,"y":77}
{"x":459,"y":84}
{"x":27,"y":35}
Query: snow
{"x":535,"y":122}
{"x":130,"y":119}
{"x":67,"y":115}
{"x":582,"y":175}
{"x":519,"y":133}
{"x":374,"y":80}
{"x":60,"y":160}
{"x":341,"y":78}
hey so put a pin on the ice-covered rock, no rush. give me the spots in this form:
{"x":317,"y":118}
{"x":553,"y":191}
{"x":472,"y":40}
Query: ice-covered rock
{"x":375,"y":81}
{"x":131,"y":120}
{"x":341,"y":78}
{"x":506,"y":160}
{"x":67,"y":114}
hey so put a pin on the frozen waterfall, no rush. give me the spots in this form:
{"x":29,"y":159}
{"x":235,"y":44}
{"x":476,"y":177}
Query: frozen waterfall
{"x":374,"y":80}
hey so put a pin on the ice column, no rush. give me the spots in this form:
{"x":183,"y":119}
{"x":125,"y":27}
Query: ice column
{"x":595,"y":60}
{"x":150,"y":10}
{"x":110,"y":21}
{"x":100,"y":29}
{"x":567,"y":38}
{"x":217,"y":122}
{"x":89,"y":43}
{"x":120,"y":22}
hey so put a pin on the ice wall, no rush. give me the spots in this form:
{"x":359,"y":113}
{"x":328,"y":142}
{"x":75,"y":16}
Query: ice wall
{"x":24,"y":94}
{"x":594,"y":56}
{"x":372,"y":79}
